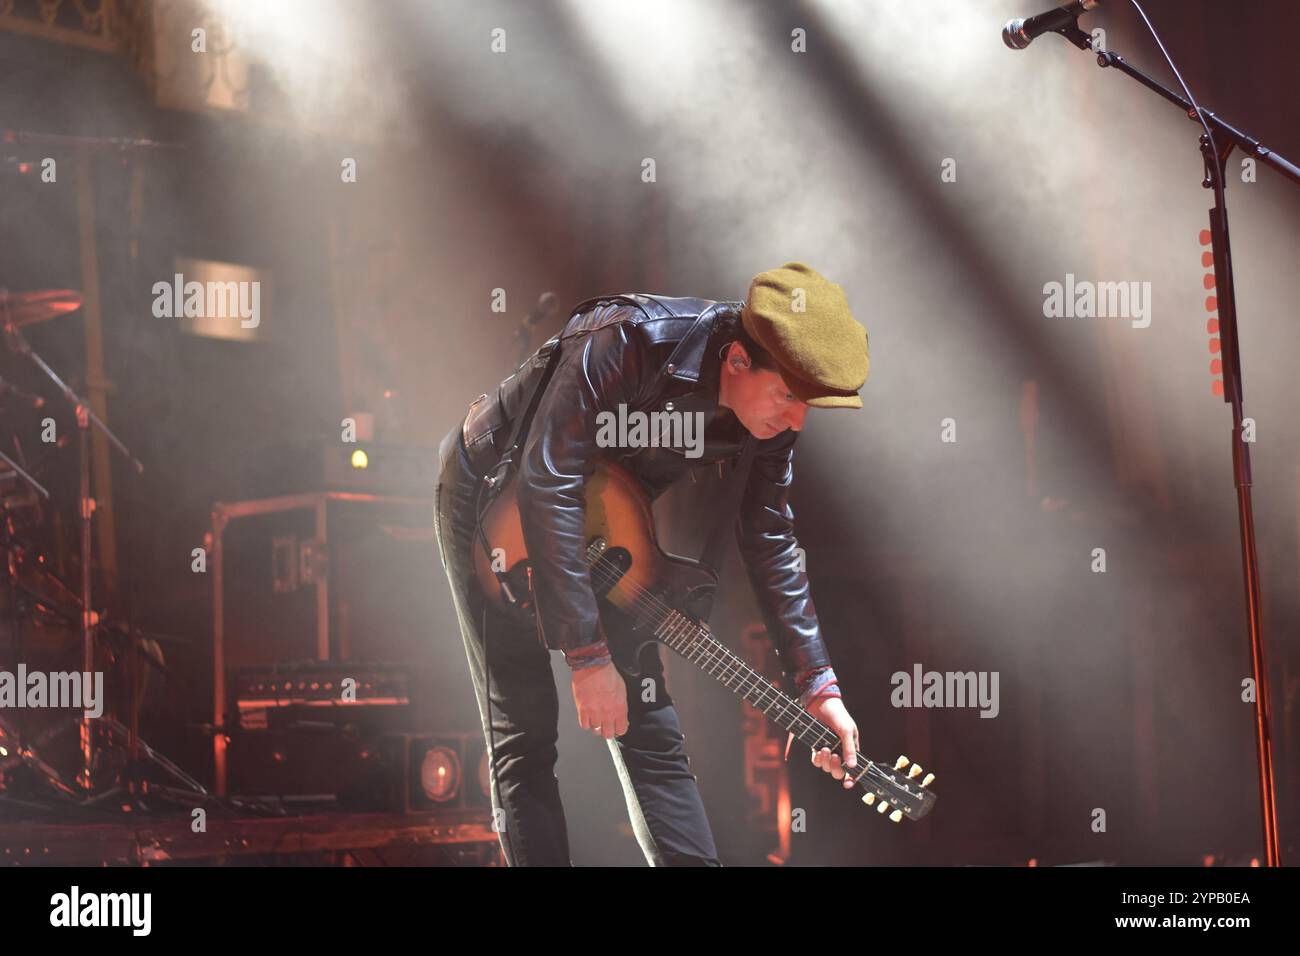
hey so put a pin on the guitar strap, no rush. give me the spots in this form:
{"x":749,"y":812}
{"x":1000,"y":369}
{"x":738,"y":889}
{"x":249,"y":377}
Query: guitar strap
{"x":520,"y":431}
{"x":712,"y":554}
{"x":495,"y":479}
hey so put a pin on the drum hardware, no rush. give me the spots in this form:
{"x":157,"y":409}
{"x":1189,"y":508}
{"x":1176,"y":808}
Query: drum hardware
{"x":34,"y":595}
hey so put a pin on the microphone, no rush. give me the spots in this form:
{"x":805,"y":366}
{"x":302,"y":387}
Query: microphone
{"x":1019,"y":33}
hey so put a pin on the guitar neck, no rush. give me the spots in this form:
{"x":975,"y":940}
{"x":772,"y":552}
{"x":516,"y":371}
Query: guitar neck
{"x":695,"y":643}
{"x":886,"y":788}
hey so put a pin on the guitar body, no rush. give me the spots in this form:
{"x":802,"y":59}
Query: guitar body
{"x":617,"y":514}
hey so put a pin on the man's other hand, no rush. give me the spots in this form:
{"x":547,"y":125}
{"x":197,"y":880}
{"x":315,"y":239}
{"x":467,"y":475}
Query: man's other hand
{"x":601,"y":697}
{"x":830,"y":711}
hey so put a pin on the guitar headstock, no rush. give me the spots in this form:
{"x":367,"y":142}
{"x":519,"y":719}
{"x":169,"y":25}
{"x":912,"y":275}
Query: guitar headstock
{"x":898,"y":791}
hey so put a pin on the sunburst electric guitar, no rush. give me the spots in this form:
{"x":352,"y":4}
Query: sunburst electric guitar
{"x":646,"y":596}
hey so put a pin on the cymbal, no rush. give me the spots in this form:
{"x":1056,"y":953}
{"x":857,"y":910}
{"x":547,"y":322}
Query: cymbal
{"x":28,"y":308}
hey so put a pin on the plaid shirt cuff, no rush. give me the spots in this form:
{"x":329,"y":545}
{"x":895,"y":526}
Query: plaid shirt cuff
{"x":820,"y":684}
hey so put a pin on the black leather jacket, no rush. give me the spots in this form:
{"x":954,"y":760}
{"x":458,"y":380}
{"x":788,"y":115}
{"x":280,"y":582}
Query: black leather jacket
{"x":650,"y":353}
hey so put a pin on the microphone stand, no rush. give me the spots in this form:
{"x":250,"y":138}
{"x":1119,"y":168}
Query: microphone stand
{"x":1215,"y":149}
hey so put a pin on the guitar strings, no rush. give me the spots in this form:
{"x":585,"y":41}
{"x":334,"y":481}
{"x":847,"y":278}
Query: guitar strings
{"x":647,"y":601}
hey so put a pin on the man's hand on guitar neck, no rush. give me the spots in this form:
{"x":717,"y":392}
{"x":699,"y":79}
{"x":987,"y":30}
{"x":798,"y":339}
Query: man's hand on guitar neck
{"x":601,"y":698}
{"x":830,"y":711}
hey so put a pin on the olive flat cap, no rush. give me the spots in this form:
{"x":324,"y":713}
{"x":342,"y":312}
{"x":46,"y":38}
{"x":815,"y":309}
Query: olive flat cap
{"x":803,"y":320}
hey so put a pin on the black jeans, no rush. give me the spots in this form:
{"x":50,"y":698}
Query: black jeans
{"x":663,"y":800}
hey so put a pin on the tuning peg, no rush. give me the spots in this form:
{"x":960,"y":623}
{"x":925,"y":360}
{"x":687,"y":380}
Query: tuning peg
{"x":901,"y":762}
{"x":929,"y":779}
{"x":914,"y":772}
{"x":884,"y":807}
{"x":868,"y":798}
{"x":896,"y":816}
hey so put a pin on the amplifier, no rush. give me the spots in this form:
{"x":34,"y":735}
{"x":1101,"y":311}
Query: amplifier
{"x":343,"y":580}
{"x":372,"y":772}
{"x":338,"y":691}
{"x":444,"y":771}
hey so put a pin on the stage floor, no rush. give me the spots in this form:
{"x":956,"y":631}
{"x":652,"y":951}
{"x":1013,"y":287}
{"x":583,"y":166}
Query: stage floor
{"x":457,"y":837}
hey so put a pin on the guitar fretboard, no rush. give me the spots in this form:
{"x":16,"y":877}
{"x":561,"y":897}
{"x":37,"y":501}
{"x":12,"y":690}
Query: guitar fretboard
{"x":694,"y":642}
